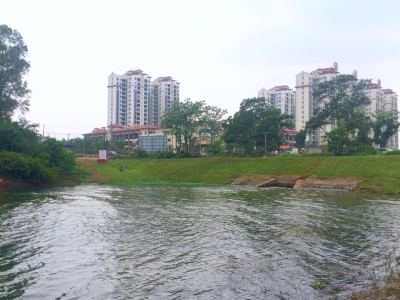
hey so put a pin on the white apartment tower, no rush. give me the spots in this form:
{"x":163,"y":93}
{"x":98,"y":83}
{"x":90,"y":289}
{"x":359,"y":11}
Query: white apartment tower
{"x":129,"y":98}
{"x":390,"y":104}
{"x":165,"y":91}
{"x":280,"y":97}
{"x":134,"y":100}
{"x":305,"y":105}
{"x":117,"y":99}
{"x":382,"y":100}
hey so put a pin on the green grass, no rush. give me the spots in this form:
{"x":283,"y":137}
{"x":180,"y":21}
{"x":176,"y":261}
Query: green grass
{"x":380,"y":173}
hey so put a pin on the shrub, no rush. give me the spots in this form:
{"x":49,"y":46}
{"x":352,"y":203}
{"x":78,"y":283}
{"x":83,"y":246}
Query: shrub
{"x":20,"y":166}
{"x":395,"y":152}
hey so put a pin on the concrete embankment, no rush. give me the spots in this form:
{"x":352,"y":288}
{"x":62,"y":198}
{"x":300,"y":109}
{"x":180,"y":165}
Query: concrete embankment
{"x":297,"y":181}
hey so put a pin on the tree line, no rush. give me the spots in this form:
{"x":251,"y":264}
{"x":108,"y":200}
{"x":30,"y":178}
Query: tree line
{"x":340,"y":107}
{"x":23,"y":153}
{"x":257,"y":129}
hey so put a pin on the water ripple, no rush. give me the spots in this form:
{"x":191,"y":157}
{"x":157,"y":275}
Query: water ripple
{"x":100,"y":242}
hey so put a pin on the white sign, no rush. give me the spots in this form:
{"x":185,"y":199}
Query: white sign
{"x":103,"y":154}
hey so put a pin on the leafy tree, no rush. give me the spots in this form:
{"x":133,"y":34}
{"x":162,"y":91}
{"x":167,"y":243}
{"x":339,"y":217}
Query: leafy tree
{"x":211,"y":121}
{"x":385,"y":126}
{"x":300,"y":139}
{"x":338,"y":139}
{"x":255,"y":125}
{"x":22,"y":154}
{"x":240,"y":131}
{"x":57,"y":156}
{"x":342,"y":101}
{"x":14,"y":90}
{"x":184,"y":119}
{"x":338,"y":99}
{"x":18,"y":136}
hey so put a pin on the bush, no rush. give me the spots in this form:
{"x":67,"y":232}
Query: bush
{"x":394,"y":152}
{"x":364,"y":150}
{"x":57,"y":156}
{"x":21,"y":166}
{"x":165,"y":155}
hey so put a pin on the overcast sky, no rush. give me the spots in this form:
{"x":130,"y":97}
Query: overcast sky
{"x":220,"y":51}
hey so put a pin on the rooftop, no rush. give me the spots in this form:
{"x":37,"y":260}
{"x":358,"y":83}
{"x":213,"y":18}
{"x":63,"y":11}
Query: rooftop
{"x":121,"y":129}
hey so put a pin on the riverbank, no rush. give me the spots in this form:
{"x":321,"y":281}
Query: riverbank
{"x":380,"y":174}
{"x":78,"y":175}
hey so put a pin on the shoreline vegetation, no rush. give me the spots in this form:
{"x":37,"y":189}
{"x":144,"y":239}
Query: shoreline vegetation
{"x":377,"y":174}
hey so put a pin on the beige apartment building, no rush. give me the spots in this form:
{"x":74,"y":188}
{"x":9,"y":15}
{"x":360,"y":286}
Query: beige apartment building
{"x":280,"y":97}
{"x":305,"y":104}
{"x":165,"y":91}
{"x":381,"y":100}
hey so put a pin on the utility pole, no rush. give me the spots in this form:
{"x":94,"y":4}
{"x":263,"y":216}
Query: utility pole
{"x":265,"y":142}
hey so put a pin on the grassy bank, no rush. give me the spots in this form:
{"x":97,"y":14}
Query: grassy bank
{"x":380,"y":173}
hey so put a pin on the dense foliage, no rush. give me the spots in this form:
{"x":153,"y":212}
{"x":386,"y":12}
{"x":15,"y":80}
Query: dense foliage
{"x":13,"y":66}
{"x":341,"y":103}
{"x":189,"y":121}
{"x":255,"y":128}
{"x":23,"y":154}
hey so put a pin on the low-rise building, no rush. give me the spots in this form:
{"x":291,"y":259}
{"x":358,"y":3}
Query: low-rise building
{"x":129,"y":135}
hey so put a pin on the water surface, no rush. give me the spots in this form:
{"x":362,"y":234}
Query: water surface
{"x":101,"y":242}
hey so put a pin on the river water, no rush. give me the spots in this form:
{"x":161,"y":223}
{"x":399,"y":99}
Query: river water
{"x":102,"y":242}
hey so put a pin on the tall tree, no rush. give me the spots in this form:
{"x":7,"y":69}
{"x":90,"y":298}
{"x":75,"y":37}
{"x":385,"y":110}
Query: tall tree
{"x":338,"y":99}
{"x":211,"y":121}
{"x":14,"y":90}
{"x":342,"y":100}
{"x":255,"y":126}
{"x":183,"y":119}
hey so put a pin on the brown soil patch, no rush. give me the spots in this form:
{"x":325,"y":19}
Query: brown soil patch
{"x":343,"y":183}
{"x":90,"y":165}
{"x":296,"y":181}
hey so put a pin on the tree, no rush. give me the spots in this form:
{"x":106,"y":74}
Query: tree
{"x":385,"y":126}
{"x":14,"y":90}
{"x":183,"y":119}
{"x":18,"y":136}
{"x":255,"y":125}
{"x":300,"y":139}
{"x":339,"y":99}
{"x":211,"y":122}
{"x":338,"y":139}
{"x":342,"y":100}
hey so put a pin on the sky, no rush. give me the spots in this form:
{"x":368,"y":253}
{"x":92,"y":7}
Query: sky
{"x":221,"y":51}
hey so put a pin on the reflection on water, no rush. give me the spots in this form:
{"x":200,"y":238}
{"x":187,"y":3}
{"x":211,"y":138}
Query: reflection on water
{"x":100,"y":242}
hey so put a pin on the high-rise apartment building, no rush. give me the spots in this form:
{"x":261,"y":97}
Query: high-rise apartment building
{"x":280,"y":97}
{"x":390,"y":104}
{"x":305,"y":104}
{"x":129,"y":98}
{"x":380,"y":100}
{"x":165,"y":91}
{"x":134,"y":100}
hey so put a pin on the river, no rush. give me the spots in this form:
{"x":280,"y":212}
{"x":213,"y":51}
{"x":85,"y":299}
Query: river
{"x":105,"y":242}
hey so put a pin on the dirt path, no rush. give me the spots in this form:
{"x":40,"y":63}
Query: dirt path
{"x":90,"y":165}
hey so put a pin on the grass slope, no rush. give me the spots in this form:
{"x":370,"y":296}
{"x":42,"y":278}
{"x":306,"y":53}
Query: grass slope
{"x":380,"y":173}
